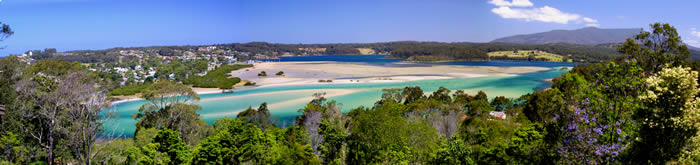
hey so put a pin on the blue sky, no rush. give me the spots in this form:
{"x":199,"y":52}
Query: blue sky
{"x":99,"y":24}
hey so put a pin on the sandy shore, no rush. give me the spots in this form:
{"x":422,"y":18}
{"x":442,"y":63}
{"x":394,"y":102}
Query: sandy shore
{"x":329,"y":93}
{"x":121,"y":99}
{"x":300,"y":73}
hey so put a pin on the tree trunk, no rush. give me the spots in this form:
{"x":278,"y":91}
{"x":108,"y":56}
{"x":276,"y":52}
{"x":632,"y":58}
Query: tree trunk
{"x":50,"y":161}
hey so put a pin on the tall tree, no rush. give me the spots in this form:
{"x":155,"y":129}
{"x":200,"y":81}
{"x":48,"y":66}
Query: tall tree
{"x":169,"y":107}
{"x":656,"y":48}
{"x":62,"y":95}
{"x":5,"y":31}
{"x":85,"y":103}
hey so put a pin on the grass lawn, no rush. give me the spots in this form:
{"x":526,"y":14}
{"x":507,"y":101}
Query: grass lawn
{"x":366,"y":51}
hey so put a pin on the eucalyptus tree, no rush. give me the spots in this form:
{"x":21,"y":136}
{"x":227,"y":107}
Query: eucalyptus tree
{"x":61,"y":104}
{"x":170,"y":107}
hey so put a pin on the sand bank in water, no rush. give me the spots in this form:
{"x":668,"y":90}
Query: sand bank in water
{"x":301,"y":73}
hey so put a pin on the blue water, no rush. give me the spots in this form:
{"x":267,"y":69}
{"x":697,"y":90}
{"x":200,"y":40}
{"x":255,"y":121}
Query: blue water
{"x":285,"y":101}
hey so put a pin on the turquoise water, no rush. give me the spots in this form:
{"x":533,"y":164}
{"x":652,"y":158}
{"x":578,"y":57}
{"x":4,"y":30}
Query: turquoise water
{"x":285,"y":101}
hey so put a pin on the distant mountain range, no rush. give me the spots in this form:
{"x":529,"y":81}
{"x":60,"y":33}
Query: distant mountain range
{"x":584,"y":36}
{"x":693,"y":48}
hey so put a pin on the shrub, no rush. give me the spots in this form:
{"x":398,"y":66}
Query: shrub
{"x":249,"y":83}
{"x":217,"y":78}
{"x":129,"y":89}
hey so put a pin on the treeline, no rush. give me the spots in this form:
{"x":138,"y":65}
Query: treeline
{"x":418,"y":51}
{"x":129,"y":89}
{"x":415,"y":51}
{"x":432,"y":51}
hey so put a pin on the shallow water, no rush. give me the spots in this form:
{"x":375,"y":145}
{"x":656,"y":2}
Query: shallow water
{"x":285,"y":101}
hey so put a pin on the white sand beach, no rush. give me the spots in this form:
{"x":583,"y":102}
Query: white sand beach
{"x":329,"y":93}
{"x":301,"y":73}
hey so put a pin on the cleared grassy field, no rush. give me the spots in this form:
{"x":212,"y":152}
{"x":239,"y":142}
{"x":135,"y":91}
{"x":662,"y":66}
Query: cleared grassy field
{"x":365,"y":51}
{"x":526,"y":53}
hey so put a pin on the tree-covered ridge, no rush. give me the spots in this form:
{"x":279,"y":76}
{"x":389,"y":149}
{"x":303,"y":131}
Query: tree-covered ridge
{"x":640,"y":108}
{"x":410,"y":50}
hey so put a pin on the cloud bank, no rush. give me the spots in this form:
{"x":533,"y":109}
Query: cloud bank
{"x":695,"y":33}
{"x":524,"y":10}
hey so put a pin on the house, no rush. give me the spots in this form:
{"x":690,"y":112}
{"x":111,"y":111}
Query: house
{"x":2,"y":110}
{"x":120,"y":69}
{"x":498,"y":114}
{"x":250,"y":62}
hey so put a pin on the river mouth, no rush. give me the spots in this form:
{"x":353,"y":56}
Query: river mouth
{"x":285,"y":101}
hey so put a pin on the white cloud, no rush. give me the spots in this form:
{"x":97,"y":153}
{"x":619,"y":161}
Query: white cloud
{"x":693,"y":43}
{"x":695,"y":33}
{"x":523,"y":10}
{"x":516,"y":3}
{"x":544,"y":14}
{"x":589,"y":20}
{"x":592,"y":25}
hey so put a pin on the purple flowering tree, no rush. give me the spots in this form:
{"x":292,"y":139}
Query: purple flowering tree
{"x":600,"y":125}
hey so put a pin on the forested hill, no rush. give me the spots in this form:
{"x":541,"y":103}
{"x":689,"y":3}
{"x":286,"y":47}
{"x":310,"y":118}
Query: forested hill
{"x":584,"y":36}
{"x":432,"y":51}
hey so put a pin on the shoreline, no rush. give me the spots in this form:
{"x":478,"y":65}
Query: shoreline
{"x":199,"y":91}
{"x":309,"y":73}
{"x":312,"y":73}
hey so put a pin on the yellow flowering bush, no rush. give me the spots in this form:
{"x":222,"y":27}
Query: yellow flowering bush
{"x":678,"y":85}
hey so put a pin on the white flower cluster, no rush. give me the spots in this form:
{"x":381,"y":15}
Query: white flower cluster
{"x":681,"y":84}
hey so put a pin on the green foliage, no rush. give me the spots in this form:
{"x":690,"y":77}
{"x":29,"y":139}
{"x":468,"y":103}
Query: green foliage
{"x":453,"y":152}
{"x":169,"y":143}
{"x":218,"y":78}
{"x":442,"y":95}
{"x":262,"y":74}
{"x":259,"y":117}
{"x":669,"y":117}
{"x":236,"y":143}
{"x":114,"y":151}
{"x":249,"y":83}
{"x":656,"y":48}
{"x":55,"y":67}
{"x":280,"y":73}
{"x":433,"y":51}
{"x":129,"y":89}
{"x":500,"y":103}
{"x":542,"y":106}
{"x":165,"y":148}
{"x":145,"y":136}
{"x":438,"y":52}
{"x":333,"y":148}
{"x":381,"y":135}
{"x":13,"y":150}
{"x":412,"y":94}
{"x":526,"y":145}
{"x":295,"y":148}
{"x":167,"y":108}
{"x":5,"y":31}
